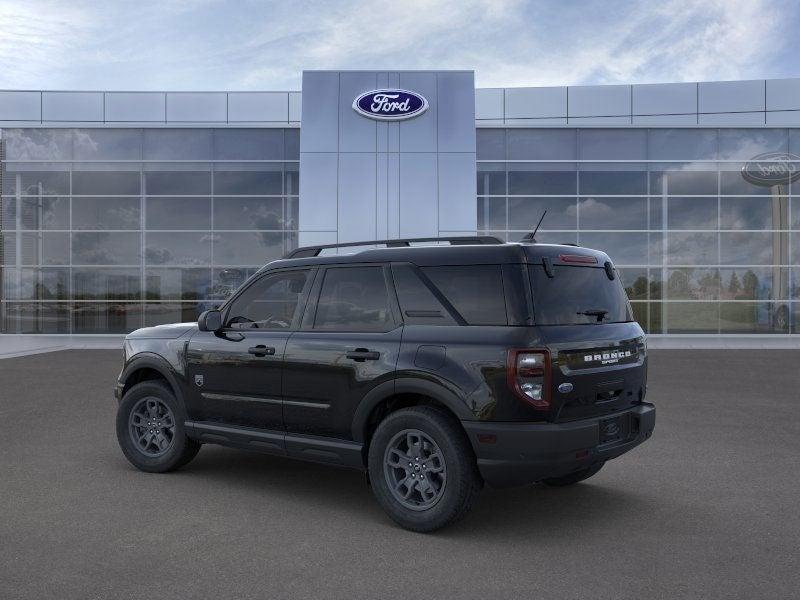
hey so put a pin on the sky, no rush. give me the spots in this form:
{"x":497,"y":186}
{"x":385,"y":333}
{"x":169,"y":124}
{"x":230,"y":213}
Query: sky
{"x":265,"y":45}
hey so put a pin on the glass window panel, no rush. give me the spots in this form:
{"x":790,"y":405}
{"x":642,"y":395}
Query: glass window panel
{"x":8,"y":248}
{"x":612,"y":144}
{"x":291,"y":213}
{"x":753,"y":317}
{"x":490,"y":144}
{"x":794,"y":288}
{"x":248,"y":144}
{"x":683,"y":183}
{"x":103,"y":248}
{"x":692,"y":213}
{"x":177,"y":284}
{"x":691,"y":317}
{"x":43,"y":212}
{"x":623,"y":248}
{"x":682,"y":144}
{"x":116,"y":183}
{"x":492,"y":213}
{"x":177,"y":213}
{"x":248,"y":213}
{"x":491,"y":179}
{"x":35,"y":182}
{"x":160,"y":313}
{"x":247,"y":248}
{"x":107,"y":144}
{"x":693,"y":284}
{"x":755,"y":283}
{"x":106,"y":284}
{"x":36,"y":284}
{"x":656,"y":317}
{"x":755,"y":248}
{"x":105,"y":213}
{"x":354,"y":299}
{"x":291,"y":144}
{"x":227,"y":280}
{"x":612,"y":213}
{"x":635,"y":283}
{"x":612,"y":182}
{"x":271,"y":302}
{"x":524,"y":213}
{"x":38,"y":144}
{"x":656,"y":213}
{"x":48,"y":248}
{"x":732,"y":182}
{"x":656,"y":248}
{"x":291,"y":179}
{"x":177,"y":183}
{"x":692,"y":248}
{"x":640,"y":314}
{"x":542,"y":144}
{"x":524,"y":181}
{"x":36,"y":317}
{"x":753,"y":213}
{"x":656,"y":284}
{"x":106,"y":317}
{"x":747,"y":143}
{"x":251,"y":183}
{"x":178,"y":144}
{"x":178,"y":248}
{"x":544,"y":237}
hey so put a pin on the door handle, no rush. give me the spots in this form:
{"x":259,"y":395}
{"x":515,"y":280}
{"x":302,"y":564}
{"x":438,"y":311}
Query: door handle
{"x":362,"y":354}
{"x":261,"y":350}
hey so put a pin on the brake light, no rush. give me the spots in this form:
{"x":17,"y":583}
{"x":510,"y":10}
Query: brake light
{"x":578,"y":258}
{"x":528,"y":374}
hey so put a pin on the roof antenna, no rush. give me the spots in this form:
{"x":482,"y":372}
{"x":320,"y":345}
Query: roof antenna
{"x":531,"y":237}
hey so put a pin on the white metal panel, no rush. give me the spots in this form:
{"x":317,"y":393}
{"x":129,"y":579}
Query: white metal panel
{"x":664,"y":98}
{"x":457,"y":192}
{"x":258,"y":106}
{"x":489,"y":103}
{"x":136,"y":107}
{"x":20,"y":106}
{"x":783,"y":94}
{"x":419,"y":134}
{"x":536,"y":103}
{"x":72,"y":106}
{"x":197,"y":107}
{"x":455,"y":123}
{"x":356,"y":204}
{"x":318,"y":190}
{"x":784,"y":118}
{"x":665,"y":120}
{"x":418,"y":194}
{"x":600,"y":120}
{"x":599,"y":100}
{"x":356,"y":132}
{"x":320,"y":129}
{"x":742,"y":118}
{"x":295,"y":106}
{"x":537,"y":122}
{"x":731,"y":96}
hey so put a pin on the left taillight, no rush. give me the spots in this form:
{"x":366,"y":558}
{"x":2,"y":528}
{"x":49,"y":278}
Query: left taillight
{"x":529,"y":376}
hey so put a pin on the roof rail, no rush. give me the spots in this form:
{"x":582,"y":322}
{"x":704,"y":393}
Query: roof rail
{"x":309,"y":251}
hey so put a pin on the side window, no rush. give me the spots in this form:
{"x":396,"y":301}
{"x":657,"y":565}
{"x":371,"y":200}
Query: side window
{"x":354,"y":299}
{"x":476,"y":292}
{"x":272,"y":302}
{"x":419,"y":305}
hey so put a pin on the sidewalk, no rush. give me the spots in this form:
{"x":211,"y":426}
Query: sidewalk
{"x":23,"y":345}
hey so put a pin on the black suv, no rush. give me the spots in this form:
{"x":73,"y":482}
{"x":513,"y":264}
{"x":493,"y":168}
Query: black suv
{"x":432,"y":368}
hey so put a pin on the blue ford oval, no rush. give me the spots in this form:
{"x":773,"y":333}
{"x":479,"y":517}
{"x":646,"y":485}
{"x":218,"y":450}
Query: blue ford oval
{"x":390,"y":105}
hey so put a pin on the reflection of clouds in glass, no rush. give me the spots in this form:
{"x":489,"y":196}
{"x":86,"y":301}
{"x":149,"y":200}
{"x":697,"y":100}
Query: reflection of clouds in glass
{"x":178,"y":249}
{"x":84,"y":144}
{"x":692,"y":248}
{"x":38,"y":144}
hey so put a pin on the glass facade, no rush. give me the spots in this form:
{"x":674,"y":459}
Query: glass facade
{"x":700,"y":248}
{"x":108,"y":230}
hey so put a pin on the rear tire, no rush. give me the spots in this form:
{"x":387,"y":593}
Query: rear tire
{"x":150,"y":428}
{"x":422,"y":469}
{"x":573,"y":477}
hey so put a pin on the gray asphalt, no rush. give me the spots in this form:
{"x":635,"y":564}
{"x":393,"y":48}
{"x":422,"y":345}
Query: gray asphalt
{"x":708,"y":508}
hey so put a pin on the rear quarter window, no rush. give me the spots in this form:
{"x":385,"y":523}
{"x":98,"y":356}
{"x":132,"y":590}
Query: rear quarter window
{"x":476,"y":292}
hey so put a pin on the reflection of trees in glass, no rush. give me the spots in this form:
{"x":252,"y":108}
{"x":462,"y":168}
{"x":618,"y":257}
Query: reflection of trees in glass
{"x":734,"y":287}
{"x":749,"y":286}
{"x":638,"y":289}
{"x":695,"y":284}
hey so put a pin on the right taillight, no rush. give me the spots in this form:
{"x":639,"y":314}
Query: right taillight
{"x":529,"y":376}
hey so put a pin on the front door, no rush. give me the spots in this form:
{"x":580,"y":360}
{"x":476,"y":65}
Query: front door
{"x":347,"y":345}
{"x":235,"y":374}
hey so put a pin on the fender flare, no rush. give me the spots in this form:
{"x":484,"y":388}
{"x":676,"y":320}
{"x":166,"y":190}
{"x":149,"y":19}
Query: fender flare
{"x":150,"y":360}
{"x":407,"y":385}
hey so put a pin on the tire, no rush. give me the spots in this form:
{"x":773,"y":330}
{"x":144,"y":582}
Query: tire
{"x":573,"y":477}
{"x":453,"y":481}
{"x":167,"y":449}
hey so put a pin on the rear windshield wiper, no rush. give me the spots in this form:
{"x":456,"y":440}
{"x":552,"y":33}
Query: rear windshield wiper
{"x":599,"y":313}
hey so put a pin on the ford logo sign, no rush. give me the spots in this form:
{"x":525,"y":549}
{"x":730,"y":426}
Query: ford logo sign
{"x":772,"y":168}
{"x":565,"y":388}
{"x":390,"y":105}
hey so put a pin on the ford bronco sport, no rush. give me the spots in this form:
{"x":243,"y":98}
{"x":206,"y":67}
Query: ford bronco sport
{"x":434,"y":369}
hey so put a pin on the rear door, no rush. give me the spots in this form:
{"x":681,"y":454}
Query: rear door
{"x":348,"y":344}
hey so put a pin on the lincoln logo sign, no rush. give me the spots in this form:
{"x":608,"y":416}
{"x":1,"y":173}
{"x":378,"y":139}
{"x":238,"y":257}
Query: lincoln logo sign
{"x":390,"y":105}
{"x":772,"y":168}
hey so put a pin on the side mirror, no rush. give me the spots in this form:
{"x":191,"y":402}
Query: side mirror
{"x":210,"y":320}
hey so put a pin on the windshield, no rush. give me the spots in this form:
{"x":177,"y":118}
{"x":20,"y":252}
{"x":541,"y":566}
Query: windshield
{"x":577,"y":296}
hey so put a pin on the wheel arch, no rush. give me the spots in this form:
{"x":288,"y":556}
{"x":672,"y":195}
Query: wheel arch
{"x":146,"y":367}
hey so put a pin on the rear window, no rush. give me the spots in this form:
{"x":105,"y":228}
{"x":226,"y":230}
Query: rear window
{"x":577,"y":295}
{"x":476,"y":292}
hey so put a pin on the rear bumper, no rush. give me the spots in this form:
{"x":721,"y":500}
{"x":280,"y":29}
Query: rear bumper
{"x":523,"y":453}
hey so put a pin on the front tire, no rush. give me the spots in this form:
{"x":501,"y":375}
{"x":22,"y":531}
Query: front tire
{"x":422,"y":468}
{"x":150,"y":428}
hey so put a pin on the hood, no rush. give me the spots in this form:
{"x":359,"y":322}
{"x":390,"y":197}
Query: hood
{"x":163,"y":332}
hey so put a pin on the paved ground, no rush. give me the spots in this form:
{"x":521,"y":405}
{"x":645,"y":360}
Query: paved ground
{"x":707,"y":509}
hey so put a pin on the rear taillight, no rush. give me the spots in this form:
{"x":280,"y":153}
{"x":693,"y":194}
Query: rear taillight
{"x":529,"y":376}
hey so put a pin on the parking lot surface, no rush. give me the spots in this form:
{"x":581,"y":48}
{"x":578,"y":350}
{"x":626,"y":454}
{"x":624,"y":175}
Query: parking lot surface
{"x":708,"y":508}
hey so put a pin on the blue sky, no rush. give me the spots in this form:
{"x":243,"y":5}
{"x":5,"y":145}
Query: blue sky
{"x":262,"y":45}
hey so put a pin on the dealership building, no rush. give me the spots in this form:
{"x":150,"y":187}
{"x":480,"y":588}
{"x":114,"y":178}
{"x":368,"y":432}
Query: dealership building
{"x":126,"y":209}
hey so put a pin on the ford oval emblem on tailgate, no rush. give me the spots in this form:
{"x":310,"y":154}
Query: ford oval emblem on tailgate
{"x":565,"y":388}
